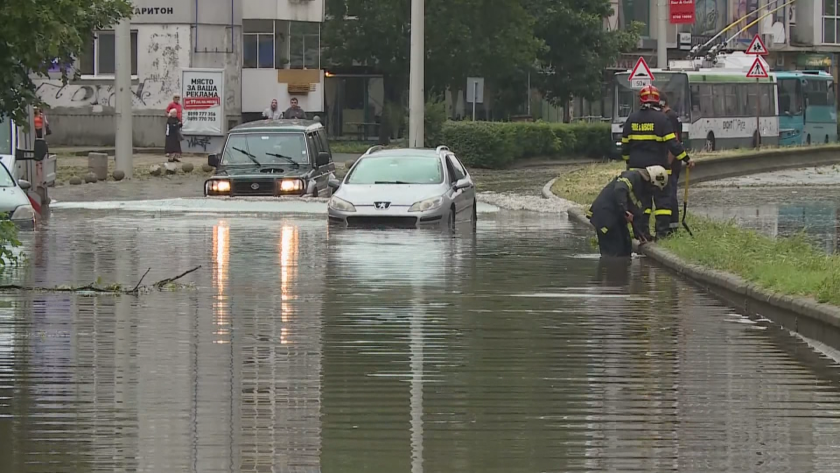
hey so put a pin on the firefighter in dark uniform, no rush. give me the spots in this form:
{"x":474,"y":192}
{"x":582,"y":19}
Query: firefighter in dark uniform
{"x":676,"y":165}
{"x":646,"y":141}
{"x":619,"y":204}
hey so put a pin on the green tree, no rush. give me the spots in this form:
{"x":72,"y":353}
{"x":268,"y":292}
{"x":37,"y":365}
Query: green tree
{"x":488,"y":38}
{"x":34,"y":33}
{"x":577,"y":47}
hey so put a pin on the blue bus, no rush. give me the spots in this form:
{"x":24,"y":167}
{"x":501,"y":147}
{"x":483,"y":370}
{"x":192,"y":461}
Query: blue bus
{"x":807,"y":107}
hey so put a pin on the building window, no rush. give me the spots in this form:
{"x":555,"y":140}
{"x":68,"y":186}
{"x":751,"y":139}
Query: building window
{"x":831,"y":21}
{"x":281,"y":44}
{"x":304,"y":45}
{"x":638,"y":10}
{"x":98,"y":58}
{"x":258,"y":44}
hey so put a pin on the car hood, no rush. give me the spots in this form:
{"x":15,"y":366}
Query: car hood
{"x":12,"y":198}
{"x":254,"y":172}
{"x":396,"y":194}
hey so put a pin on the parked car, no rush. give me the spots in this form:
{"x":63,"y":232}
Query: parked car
{"x":404,"y":188}
{"x":273,"y":158}
{"x":14,"y":203}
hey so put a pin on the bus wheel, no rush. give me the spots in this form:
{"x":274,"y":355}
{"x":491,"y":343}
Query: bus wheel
{"x":710,"y":142}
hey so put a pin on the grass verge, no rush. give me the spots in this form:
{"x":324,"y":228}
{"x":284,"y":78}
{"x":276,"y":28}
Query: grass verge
{"x":583,"y":185}
{"x":790,"y":265}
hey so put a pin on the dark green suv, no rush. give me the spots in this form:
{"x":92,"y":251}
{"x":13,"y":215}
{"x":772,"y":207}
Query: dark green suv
{"x":273,"y":158}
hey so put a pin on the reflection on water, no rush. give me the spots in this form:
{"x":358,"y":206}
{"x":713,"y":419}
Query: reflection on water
{"x":820,"y":221}
{"x":509,"y":350}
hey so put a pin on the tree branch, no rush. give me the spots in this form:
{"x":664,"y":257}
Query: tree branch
{"x":115,"y":289}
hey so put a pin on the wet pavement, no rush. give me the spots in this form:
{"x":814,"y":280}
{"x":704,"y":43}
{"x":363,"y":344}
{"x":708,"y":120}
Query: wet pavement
{"x":300,"y":347}
{"x":781,"y":203}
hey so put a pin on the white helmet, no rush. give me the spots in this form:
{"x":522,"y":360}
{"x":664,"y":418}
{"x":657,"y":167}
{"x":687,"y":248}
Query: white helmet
{"x":658,"y":176}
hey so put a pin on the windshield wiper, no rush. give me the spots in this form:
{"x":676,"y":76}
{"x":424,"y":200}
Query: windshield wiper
{"x":391,"y":182}
{"x":291,"y":160}
{"x":251,"y":156}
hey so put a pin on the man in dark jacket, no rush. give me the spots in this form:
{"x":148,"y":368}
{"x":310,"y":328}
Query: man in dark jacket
{"x":646,"y":141}
{"x":619,"y":204}
{"x":676,"y":164}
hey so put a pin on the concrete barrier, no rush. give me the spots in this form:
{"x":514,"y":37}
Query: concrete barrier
{"x":98,"y":165}
{"x":714,"y":168}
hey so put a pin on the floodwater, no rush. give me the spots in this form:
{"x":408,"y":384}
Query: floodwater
{"x":299,"y":348}
{"x":776,"y":210}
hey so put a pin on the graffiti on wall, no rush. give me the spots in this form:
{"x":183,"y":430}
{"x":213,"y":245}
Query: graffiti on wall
{"x":146,"y":94}
{"x":161,"y":53}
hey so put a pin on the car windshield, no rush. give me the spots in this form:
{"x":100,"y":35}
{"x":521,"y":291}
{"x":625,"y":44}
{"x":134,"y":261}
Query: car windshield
{"x":266,"y":148}
{"x":5,"y":136}
{"x":397,"y":170}
{"x":5,"y":177}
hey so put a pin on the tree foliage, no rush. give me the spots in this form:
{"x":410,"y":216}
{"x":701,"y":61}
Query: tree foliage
{"x":34,"y":33}
{"x":8,"y":242}
{"x":487,"y":38}
{"x":577,"y":46}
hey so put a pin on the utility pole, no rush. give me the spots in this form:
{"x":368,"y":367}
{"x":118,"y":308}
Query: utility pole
{"x":123,"y":153}
{"x":416,"y":101}
{"x":662,"y":35}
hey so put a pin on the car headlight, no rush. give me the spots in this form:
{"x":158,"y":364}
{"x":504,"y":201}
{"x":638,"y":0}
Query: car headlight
{"x":341,"y":205}
{"x":24,"y":212}
{"x":290,"y":186}
{"x":426,"y":205}
{"x":217,"y":187}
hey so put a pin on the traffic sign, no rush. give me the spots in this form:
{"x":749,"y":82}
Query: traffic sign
{"x":757,"y":70}
{"x":757,"y":47}
{"x":641,"y":71}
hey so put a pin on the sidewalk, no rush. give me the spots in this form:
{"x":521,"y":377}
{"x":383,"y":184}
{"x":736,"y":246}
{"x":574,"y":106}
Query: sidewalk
{"x":69,"y":166}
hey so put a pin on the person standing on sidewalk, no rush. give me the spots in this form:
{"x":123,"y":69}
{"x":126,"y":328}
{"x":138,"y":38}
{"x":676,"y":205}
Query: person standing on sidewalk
{"x":173,"y":137}
{"x":273,"y":112}
{"x":176,"y":105}
{"x":294,"y":111}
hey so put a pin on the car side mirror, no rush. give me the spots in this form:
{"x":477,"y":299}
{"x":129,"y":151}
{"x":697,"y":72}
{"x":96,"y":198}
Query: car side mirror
{"x":334,"y":184}
{"x":462,"y":184}
{"x":322,"y":159}
{"x":24,"y":184}
{"x":213,"y":160}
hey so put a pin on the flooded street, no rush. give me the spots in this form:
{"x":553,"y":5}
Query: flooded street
{"x":780,"y":203}
{"x":303,"y":348}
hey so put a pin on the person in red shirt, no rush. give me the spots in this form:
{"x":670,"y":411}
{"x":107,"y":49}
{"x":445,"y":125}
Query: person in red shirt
{"x":175,"y":104}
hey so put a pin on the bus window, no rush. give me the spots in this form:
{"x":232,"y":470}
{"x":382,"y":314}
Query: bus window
{"x":718,"y":99}
{"x":790,"y":97}
{"x":696,"y":111}
{"x":706,"y":104}
{"x":816,"y":93}
{"x":731,"y":101}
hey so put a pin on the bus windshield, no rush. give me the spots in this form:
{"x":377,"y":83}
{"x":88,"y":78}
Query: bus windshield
{"x":674,"y":84}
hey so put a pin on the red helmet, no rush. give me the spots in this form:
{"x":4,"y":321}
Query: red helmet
{"x":649,"y":95}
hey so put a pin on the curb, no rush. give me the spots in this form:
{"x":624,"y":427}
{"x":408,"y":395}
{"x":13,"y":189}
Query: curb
{"x":805,"y":316}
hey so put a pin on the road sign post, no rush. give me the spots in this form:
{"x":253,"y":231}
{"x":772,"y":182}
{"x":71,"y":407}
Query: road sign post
{"x":758,"y":71}
{"x":475,"y":92}
{"x":641,"y":75}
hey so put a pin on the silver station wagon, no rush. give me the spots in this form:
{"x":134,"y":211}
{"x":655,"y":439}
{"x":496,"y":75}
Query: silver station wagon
{"x":406,"y":188}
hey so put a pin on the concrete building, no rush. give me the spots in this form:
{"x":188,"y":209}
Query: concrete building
{"x":167,"y":37}
{"x":281,"y":55}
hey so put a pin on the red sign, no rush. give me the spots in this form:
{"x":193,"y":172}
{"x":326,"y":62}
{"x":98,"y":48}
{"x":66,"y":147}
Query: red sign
{"x":682,"y":12}
{"x":641,"y":71}
{"x":757,"y":47}
{"x":201,"y":103}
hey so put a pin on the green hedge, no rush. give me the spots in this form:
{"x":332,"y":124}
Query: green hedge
{"x":498,"y":144}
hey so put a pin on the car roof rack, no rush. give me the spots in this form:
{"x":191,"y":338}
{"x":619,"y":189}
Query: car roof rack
{"x":373,"y":149}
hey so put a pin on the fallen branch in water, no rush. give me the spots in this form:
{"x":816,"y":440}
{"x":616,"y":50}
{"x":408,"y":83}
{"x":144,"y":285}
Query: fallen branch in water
{"x":97,"y":288}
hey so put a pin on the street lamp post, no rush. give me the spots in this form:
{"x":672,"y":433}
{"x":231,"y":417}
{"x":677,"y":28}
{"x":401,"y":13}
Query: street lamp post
{"x":416,"y":101}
